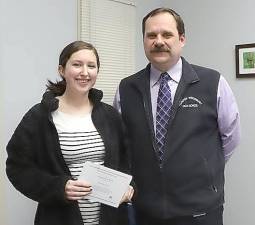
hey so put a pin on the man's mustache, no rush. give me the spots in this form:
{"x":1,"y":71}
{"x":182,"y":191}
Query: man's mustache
{"x":159,"y":50}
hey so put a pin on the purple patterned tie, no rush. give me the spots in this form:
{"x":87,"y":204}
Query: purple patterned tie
{"x":164,"y":105}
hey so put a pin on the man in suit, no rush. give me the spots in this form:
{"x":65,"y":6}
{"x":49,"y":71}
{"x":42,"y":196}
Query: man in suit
{"x":183,"y":125}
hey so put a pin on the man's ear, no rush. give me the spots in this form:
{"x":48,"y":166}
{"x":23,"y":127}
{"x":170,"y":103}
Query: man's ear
{"x":183,"y":40}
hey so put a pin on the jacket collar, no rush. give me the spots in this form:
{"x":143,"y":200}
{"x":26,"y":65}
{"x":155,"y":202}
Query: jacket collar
{"x":188,"y":77}
{"x":50,"y":102}
{"x":188,"y":74}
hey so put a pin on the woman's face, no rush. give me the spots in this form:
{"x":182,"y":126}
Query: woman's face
{"x":80,"y":71}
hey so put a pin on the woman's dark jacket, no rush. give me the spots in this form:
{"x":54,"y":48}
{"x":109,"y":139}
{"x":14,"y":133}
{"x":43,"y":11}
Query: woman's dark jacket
{"x":36,"y":167}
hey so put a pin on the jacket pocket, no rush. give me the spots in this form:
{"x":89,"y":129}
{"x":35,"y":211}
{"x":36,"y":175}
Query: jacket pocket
{"x":210,"y":176}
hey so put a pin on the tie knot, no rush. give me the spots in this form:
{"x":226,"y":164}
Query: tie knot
{"x":165,"y":77}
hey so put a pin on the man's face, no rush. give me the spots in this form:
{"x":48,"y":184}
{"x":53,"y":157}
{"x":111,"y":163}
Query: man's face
{"x":162,"y":43}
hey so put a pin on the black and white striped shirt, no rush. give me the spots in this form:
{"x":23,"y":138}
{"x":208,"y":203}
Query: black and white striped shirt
{"x":80,"y":142}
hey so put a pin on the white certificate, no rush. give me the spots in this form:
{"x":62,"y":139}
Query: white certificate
{"x":108,"y":185}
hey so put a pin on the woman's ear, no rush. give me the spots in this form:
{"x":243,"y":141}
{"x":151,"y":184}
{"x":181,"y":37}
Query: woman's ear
{"x":61,"y":70}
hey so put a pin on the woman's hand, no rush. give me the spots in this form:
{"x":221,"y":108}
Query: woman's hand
{"x":77,"y":189}
{"x":128,"y":195}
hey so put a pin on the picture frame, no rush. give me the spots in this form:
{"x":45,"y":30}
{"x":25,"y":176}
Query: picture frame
{"x":245,"y":60}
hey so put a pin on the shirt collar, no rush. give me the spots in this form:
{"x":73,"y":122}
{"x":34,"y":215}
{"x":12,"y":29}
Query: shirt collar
{"x":175,"y":73}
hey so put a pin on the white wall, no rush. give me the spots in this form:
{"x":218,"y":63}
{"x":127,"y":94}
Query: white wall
{"x":32,"y":35}
{"x":213,"y":28}
{"x":2,"y":194}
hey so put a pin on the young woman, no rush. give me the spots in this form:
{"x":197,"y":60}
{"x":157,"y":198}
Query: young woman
{"x":55,"y":137}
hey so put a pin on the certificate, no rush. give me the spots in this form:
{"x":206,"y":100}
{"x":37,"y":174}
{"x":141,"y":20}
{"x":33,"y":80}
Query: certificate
{"x":108,"y":185}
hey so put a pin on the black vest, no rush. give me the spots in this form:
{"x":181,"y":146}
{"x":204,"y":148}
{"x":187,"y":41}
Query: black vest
{"x":192,"y":178}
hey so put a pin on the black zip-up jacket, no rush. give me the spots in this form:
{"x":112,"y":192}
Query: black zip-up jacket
{"x":36,"y":167}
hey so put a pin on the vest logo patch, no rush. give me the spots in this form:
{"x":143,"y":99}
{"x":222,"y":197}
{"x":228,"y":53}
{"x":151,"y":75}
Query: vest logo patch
{"x":190,"y":102}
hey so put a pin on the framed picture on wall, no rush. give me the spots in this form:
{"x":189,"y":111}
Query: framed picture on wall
{"x":245,"y":60}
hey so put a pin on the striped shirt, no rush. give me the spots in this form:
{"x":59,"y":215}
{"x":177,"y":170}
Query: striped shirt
{"x":80,"y":142}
